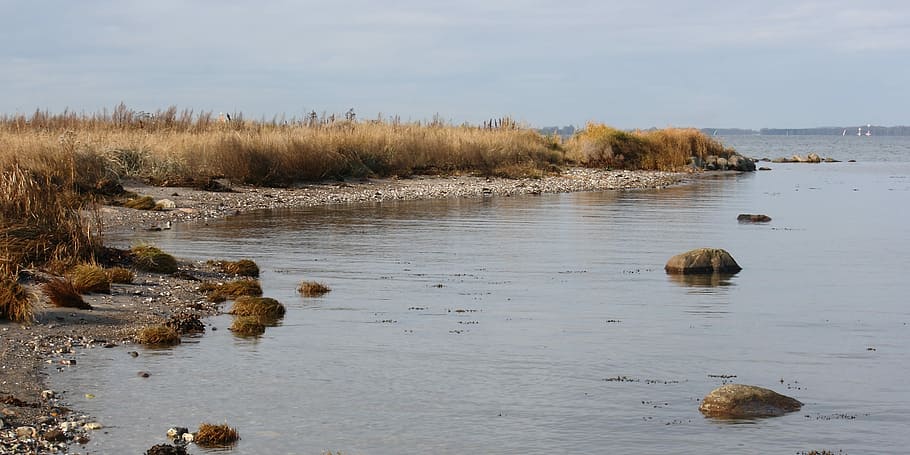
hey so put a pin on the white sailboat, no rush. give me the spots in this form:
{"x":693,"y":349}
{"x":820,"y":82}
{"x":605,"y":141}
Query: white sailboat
{"x":859,"y":131}
{"x":844,"y":133}
{"x":869,"y":130}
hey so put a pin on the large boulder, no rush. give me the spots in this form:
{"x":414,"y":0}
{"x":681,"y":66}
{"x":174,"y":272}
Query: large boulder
{"x":738,"y":401}
{"x":741,"y":163}
{"x":702,"y":261}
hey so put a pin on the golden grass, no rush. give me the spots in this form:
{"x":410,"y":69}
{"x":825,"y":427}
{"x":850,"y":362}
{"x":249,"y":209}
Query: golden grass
{"x":152,"y":259}
{"x":120,"y":275}
{"x":159,"y":335}
{"x":231,"y":289}
{"x":16,"y":302}
{"x":140,"y":203}
{"x":215,"y":435}
{"x":247,"y":326}
{"x":312,"y":289}
{"x":667,"y":149}
{"x":87,"y":278}
{"x":243,"y":267}
{"x":62,"y":293}
{"x":40,"y":220}
{"x":257,"y":306}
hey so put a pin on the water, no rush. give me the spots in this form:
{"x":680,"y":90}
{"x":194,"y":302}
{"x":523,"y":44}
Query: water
{"x":499,"y":325}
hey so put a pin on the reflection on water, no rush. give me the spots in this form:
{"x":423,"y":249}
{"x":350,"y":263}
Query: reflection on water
{"x":494,"y":326}
{"x":708,"y":280}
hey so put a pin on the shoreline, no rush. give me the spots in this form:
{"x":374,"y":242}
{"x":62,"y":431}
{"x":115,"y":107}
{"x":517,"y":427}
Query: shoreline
{"x":30,"y":415}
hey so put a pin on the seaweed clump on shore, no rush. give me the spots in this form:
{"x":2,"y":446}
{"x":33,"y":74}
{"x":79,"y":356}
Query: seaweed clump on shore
{"x":312,"y":289}
{"x":210,"y":435}
{"x":152,"y":259}
{"x":159,"y":335}
{"x":62,"y":293}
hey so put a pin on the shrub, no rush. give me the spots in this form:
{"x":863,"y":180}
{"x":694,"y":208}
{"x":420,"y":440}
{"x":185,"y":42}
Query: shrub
{"x":248,"y":326}
{"x":312,"y":289}
{"x":152,"y":259}
{"x":159,"y":335}
{"x":62,"y":293}
{"x":231,"y":289}
{"x":257,"y":306}
{"x":215,"y":435}
{"x":88,"y":278}
{"x":120,"y":275}
{"x":243,"y":267}
{"x":16,"y":302}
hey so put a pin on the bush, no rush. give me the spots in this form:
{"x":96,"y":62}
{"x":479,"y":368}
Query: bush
{"x":87,"y":278}
{"x":152,"y":259}
{"x":231,"y":289}
{"x":215,"y":435}
{"x":243,"y":267}
{"x":159,"y":335}
{"x":312,"y":289}
{"x":257,"y":306}
{"x":62,"y":293}
{"x":16,"y":302}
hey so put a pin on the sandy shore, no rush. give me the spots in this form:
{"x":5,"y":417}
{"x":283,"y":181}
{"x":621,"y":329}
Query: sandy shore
{"x":34,"y":419}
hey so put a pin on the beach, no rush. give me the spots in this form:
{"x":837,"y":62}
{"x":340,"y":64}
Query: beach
{"x":32,"y":414}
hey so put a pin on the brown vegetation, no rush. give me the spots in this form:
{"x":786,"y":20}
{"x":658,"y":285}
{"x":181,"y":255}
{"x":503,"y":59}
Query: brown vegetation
{"x":243,"y":267}
{"x":257,"y":306}
{"x":215,"y":435}
{"x":62,"y":293}
{"x":16,"y":302}
{"x":312,"y":289}
{"x":247,"y":326}
{"x":87,"y":278}
{"x":152,"y":259}
{"x":140,"y":203}
{"x":120,"y":275}
{"x":159,"y":335}
{"x":231,"y":290}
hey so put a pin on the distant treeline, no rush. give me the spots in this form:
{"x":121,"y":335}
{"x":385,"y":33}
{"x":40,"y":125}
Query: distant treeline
{"x":821,"y":131}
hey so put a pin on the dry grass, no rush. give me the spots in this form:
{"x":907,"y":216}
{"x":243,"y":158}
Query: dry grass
{"x":152,"y":259}
{"x":141,"y":203}
{"x":231,"y":290}
{"x":243,"y":267}
{"x":312,"y":289}
{"x":667,"y":149}
{"x":16,"y":302}
{"x":247,"y":326}
{"x":62,"y":293}
{"x":257,"y":306}
{"x":215,"y":435}
{"x":87,"y":278}
{"x":40,"y":220}
{"x":159,"y":335}
{"x":120,"y":275}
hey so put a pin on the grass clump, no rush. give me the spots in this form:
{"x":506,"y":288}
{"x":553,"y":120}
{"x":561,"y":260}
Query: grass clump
{"x":159,"y":335}
{"x":120,"y":275}
{"x":62,"y":293}
{"x":257,"y":306}
{"x":312,"y":289}
{"x":141,"y":203}
{"x":243,"y":267}
{"x":248,"y":326}
{"x":231,"y":289}
{"x":87,"y":278}
{"x":152,"y":259}
{"x":215,"y":435}
{"x":16,"y":302}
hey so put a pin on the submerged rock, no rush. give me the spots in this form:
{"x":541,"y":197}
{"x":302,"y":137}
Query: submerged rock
{"x":702,"y":261}
{"x":752,"y":218}
{"x":166,"y":449}
{"x":746,"y":401}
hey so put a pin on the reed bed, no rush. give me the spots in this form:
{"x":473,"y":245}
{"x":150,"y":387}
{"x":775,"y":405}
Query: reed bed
{"x":120,"y":275}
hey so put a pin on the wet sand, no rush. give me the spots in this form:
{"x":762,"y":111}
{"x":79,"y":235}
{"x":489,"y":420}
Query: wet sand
{"x":31,"y":415}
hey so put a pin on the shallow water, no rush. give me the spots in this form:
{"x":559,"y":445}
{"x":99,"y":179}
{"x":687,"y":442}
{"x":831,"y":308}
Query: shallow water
{"x":545,"y":324}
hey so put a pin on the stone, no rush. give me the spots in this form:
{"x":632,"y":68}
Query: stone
{"x":176,"y":432}
{"x":166,"y":204}
{"x":48,"y":394}
{"x":722,"y":164}
{"x":26,"y":433}
{"x":813,"y":158}
{"x":752,"y":218}
{"x":93,"y":426}
{"x":763,"y":168}
{"x":2,"y":424}
{"x":166,"y":449}
{"x":55,"y":435}
{"x":188,"y":437}
{"x":143,"y":374}
{"x":831,"y":160}
{"x":702,"y":261}
{"x":738,"y":401}
{"x":741,"y":163}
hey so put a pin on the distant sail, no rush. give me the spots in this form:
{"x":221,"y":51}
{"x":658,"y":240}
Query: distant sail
{"x":844,"y":133}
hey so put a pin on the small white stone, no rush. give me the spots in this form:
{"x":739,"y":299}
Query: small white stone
{"x":48,"y":394}
{"x":26,"y":432}
{"x":93,"y":426}
{"x":188,"y":437}
{"x":167,"y":204}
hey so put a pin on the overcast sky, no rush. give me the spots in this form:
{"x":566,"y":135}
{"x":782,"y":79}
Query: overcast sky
{"x":774,"y":63}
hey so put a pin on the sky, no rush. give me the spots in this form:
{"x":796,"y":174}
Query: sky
{"x":630,"y":64}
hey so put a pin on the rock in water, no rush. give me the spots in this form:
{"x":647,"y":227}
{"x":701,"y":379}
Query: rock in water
{"x":702,"y":261}
{"x":752,"y":218}
{"x":737,"y":401}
